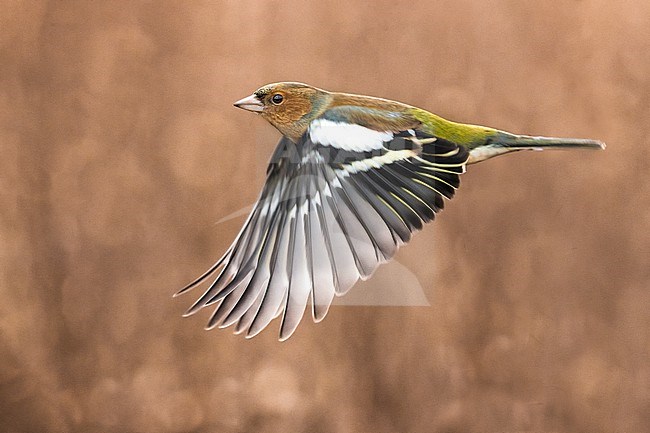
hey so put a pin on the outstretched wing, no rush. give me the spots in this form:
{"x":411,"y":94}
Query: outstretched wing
{"x":335,"y":205}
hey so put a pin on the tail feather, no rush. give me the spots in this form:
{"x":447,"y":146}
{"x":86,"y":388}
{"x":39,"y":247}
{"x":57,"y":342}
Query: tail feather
{"x":506,"y":143}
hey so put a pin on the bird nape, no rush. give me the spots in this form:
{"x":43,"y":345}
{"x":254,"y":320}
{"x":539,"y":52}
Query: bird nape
{"x":352,"y":178}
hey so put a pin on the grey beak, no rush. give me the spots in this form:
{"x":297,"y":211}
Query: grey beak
{"x":250,"y":103}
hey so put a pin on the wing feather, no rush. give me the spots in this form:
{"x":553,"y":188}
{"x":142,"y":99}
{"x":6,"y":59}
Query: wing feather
{"x":280,"y":263}
{"x":300,"y":281}
{"x":259,"y":280}
{"x":229,"y":302}
{"x":231,"y":266}
{"x":338,"y":240}
{"x":386,"y":192}
{"x":362,"y":246}
{"x":376,"y":228}
{"x":247,"y":248}
{"x":320,"y":257}
{"x":245,"y":321}
{"x":370,"y":192}
{"x":320,"y":225}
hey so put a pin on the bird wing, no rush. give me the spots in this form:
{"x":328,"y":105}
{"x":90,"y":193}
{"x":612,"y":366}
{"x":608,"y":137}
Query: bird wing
{"x":335,"y":205}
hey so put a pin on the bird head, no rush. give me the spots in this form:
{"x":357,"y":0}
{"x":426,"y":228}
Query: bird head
{"x":289,"y":107}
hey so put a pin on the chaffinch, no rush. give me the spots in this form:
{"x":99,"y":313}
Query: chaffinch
{"x":352,"y":178}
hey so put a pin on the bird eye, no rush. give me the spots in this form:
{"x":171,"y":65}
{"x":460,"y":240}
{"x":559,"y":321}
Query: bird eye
{"x":277,"y":99}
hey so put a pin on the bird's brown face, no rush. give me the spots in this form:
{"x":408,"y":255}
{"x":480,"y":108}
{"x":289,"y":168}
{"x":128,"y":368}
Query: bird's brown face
{"x":287,"y":106}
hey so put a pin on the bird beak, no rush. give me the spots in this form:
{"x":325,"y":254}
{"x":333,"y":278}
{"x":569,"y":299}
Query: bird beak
{"x":250,"y":103}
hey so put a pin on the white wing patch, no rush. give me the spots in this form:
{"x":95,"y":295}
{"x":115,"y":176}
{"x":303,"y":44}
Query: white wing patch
{"x":347,"y":136}
{"x":376,"y":161}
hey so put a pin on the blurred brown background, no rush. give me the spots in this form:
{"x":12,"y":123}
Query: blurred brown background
{"x":121,"y":149}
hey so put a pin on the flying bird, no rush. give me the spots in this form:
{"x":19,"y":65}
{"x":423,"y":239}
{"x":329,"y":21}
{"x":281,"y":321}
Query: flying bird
{"x":352,"y":178}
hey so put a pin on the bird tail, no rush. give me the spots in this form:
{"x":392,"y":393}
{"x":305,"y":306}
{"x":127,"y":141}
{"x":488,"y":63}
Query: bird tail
{"x":506,"y":143}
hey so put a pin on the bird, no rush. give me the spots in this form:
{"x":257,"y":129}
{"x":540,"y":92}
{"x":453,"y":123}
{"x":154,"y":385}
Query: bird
{"x":351,"y":180}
